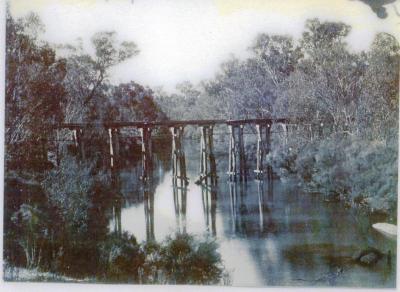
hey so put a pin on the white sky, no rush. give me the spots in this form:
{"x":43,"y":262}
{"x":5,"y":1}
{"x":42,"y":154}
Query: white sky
{"x":188,"y":39}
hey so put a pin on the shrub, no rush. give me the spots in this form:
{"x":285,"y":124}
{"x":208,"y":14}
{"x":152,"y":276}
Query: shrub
{"x":122,"y":256}
{"x":188,"y":261}
{"x":359,"y":170}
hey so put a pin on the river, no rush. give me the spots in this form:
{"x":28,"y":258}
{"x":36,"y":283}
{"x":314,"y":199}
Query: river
{"x":270,"y":233}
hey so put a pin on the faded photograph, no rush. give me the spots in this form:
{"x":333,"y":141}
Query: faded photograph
{"x":202,"y":142}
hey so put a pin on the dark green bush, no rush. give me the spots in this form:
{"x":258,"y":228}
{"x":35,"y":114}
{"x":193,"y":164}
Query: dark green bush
{"x":359,"y":170}
{"x":123,"y":257}
{"x":186,"y":260}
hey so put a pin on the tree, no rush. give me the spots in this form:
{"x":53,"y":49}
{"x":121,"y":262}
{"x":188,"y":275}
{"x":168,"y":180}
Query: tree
{"x":248,"y":88}
{"x":87,"y":75}
{"x":235,"y":91}
{"x":132,"y":102}
{"x":34,"y":91}
{"x":276,"y":57}
{"x":31,"y":225}
{"x":182,"y":103}
{"x":185,"y":260}
{"x":378,"y":112}
{"x":326,"y":85}
{"x":68,"y":191}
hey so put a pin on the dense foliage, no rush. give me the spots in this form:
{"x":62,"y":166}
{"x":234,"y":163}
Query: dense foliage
{"x":344,"y":105}
{"x":179,"y":259}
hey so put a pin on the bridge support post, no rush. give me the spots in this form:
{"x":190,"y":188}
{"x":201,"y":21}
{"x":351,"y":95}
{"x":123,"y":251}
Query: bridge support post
{"x":58,"y":146}
{"x":286,"y":129}
{"x":203,"y":154}
{"x":237,"y":153}
{"x":260,"y":151}
{"x":242,"y":155}
{"x":146,"y":152}
{"x":75,"y":138}
{"x":232,"y":153}
{"x":321,"y":130}
{"x":113,"y":134}
{"x":211,"y":157}
{"x":77,"y":134}
{"x":178,"y":154}
{"x":208,"y":168}
{"x":179,"y":177}
{"x":268,"y":150}
{"x":310,"y":131}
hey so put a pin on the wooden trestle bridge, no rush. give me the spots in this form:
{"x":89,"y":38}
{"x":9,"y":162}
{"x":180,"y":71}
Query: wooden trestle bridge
{"x":237,"y":163}
{"x":237,"y":169}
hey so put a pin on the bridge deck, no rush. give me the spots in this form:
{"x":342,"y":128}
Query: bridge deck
{"x":171,"y":123}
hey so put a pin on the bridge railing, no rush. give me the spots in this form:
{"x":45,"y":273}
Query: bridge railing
{"x":171,"y":123}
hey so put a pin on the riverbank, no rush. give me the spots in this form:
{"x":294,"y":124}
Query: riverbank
{"x":360,"y":172}
{"x":18,"y":274}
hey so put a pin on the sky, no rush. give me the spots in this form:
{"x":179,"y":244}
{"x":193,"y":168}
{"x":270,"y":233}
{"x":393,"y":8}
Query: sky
{"x":187,"y":40}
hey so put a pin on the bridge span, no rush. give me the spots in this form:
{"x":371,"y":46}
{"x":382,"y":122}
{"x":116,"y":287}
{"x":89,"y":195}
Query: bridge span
{"x":207,"y":170}
{"x":172,"y":123}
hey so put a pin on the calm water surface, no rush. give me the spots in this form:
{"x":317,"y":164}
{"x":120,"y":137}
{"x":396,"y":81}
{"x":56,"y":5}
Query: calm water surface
{"x":269,"y":233}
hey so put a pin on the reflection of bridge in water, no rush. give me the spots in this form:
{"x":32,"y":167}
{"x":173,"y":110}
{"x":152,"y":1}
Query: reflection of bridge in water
{"x":208,"y":180}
